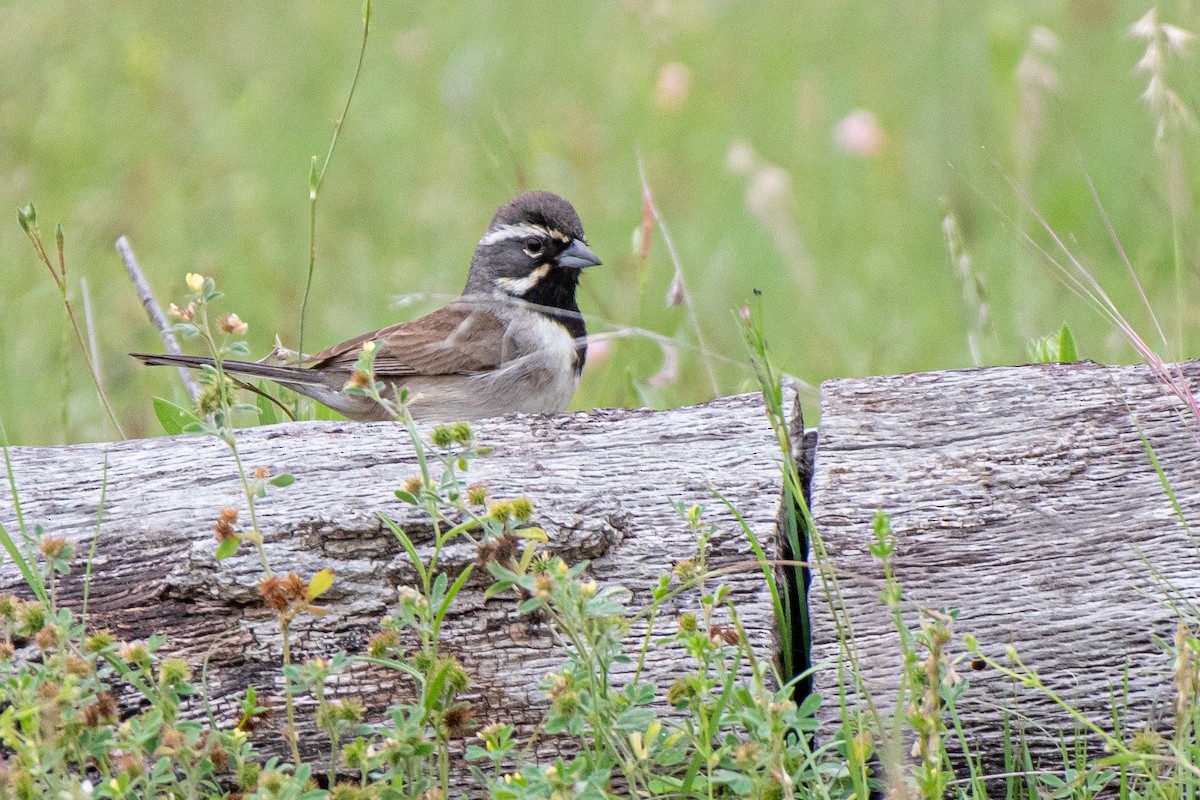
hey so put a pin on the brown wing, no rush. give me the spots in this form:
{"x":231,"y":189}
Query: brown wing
{"x":456,"y":340}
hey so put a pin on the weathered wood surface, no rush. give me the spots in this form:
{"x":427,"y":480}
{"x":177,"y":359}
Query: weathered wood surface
{"x":1025,"y":498}
{"x":603,"y":484}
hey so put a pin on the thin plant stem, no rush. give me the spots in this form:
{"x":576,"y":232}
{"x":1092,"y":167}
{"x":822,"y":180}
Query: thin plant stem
{"x":316,"y":177}
{"x":28,"y":219}
{"x":678,"y":280}
{"x":290,"y":707}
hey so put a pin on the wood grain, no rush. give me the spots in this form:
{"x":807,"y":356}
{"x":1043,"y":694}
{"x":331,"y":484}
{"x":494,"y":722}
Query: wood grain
{"x":1023,"y":497}
{"x":602,"y":482}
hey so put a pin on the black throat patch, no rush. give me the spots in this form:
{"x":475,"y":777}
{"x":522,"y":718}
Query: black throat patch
{"x":553,"y":296}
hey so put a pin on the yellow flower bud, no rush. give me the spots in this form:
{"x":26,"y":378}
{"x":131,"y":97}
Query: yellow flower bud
{"x":369,"y":347}
{"x":195,"y":281}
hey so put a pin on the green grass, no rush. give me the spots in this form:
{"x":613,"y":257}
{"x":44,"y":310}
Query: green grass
{"x":191,"y":131}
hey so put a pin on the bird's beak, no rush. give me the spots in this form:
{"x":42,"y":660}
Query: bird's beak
{"x":578,"y":256}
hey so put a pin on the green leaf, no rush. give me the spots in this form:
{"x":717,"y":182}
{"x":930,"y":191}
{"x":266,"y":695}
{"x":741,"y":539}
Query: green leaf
{"x":228,"y":547}
{"x":408,"y":546}
{"x":266,"y":409}
{"x":320,"y":583}
{"x":531,"y":604}
{"x":286,"y":479}
{"x":738,"y":783}
{"x":407,"y":497}
{"x":475,"y":752}
{"x":634,"y":719}
{"x":458,"y":584}
{"x":534,"y":534}
{"x":1066,"y":346}
{"x":173,"y":418}
{"x":185,"y":329}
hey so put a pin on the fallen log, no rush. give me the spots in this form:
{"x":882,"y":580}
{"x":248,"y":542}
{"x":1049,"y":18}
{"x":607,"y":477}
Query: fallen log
{"x":603,"y":484}
{"x":1025,"y":498}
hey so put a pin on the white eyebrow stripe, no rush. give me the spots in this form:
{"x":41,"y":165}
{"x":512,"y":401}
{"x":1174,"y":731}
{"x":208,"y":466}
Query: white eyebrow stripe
{"x":519,"y":286}
{"x":521,"y":230}
{"x":505,"y":232}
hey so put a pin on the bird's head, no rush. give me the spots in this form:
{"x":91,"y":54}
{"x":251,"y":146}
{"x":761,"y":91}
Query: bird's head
{"x":533,"y":250}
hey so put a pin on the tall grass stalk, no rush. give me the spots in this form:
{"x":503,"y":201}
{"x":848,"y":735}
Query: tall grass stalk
{"x":678,"y":294}
{"x":317,"y":177}
{"x":27,"y":216}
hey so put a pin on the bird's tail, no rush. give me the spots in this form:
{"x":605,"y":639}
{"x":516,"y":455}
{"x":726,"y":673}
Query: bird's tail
{"x":291,"y":376}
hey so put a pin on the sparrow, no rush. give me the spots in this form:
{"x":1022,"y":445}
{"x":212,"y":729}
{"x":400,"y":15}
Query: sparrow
{"x":514,"y":341}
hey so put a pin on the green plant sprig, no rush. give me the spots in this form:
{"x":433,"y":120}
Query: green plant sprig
{"x":27,"y":217}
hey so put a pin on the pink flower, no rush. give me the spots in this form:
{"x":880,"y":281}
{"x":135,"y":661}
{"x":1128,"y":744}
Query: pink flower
{"x":860,"y":134}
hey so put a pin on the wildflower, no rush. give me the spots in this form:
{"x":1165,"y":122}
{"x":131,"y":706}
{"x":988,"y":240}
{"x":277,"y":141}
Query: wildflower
{"x":458,"y":718}
{"x":477,"y":494}
{"x":135,"y":652}
{"x":358,"y":380}
{"x":859,"y":133}
{"x":195,"y":281}
{"x":172,"y":741}
{"x":687,"y":622}
{"x":223,"y":528}
{"x":1146,"y":742}
{"x":741,"y":159}
{"x":501,"y":550}
{"x":680,"y":692}
{"x":231,"y":323}
{"x":47,"y":637}
{"x":383,"y":642}
{"x":671,"y":91}
{"x":369,"y":347}
{"x":186,"y":314}
{"x":413,"y":484}
{"x":281,"y":594}
{"x":174,"y":671}
{"x":52,"y":547}
{"x":262,"y":473}
{"x":686,"y":570}
{"x":522,"y":509}
{"x":723,"y":633}
{"x":442,"y":436}
{"x":410,"y":595}
{"x":99,"y":641}
{"x":131,"y":764}
{"x":490,"y":735}
{"x":588,"y":589}
{"x":745,"y":755}
{"x":101,"y":712}
{"x":559,"y":683}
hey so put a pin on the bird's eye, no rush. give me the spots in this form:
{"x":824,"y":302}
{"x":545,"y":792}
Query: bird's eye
{"x":534,"y":246}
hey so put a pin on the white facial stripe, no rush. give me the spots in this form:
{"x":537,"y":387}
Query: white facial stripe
{"x":520,"y":231}
{"x":519,"y":286}
{"x":505,"y":232}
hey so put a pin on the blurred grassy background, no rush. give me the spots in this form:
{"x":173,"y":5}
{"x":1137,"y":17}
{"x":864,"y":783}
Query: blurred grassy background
{"x":190,"y":127}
